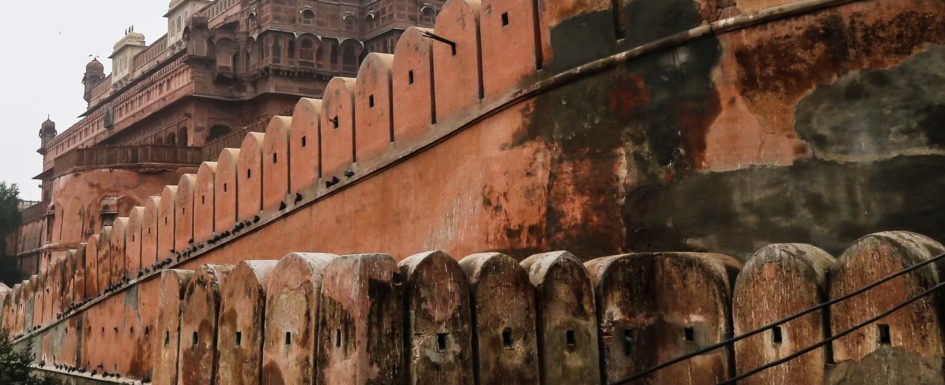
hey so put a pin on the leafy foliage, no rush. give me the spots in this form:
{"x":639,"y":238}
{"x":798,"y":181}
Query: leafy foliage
{"x":14,"y":364}
{"x":9,"y":220}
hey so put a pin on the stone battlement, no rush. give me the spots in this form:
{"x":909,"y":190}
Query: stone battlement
{"x":522,"y":126}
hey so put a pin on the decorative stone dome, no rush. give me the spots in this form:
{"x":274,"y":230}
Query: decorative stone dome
{"x":48,"y":125}
{"x":94,"y":66}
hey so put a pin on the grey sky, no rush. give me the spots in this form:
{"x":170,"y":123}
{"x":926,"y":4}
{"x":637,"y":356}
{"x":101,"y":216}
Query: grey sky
{"x":47,"y":45}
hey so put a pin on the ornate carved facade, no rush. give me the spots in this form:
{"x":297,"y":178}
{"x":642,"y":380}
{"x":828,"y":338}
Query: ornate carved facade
{"x":224,"y":68}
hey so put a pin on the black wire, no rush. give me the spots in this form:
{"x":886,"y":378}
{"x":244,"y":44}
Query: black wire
{"x":832,"y":338}
{"x":792,"y":317}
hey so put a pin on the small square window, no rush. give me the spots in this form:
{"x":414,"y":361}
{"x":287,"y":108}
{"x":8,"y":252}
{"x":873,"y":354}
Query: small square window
{"x":776,"y":336}
{"x":885,"y":336}
{"x":629,"y":339}
{"x":441,"y":341}
{"x":689,"y":334}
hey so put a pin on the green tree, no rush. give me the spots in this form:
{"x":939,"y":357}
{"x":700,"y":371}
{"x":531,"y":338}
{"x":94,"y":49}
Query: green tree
{"x":9,"y":221}
{"x":15,"y":364}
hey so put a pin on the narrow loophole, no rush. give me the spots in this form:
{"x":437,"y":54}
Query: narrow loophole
{"x":507,"y":338}
{"x":249,"y":173}
{"x":370,"y":101}
{"x":275,"y":158}
{"x":203,"y":199}
{"x":689,"y":334}
{"x":629,"y":339}
{"x":505,"y":19}
{"x":288,"y":338}
{"x":885,"y":337}
{"x":224,"y":187}
{"x":410,"y":77}
{"x":239,"y":338}
{"x":441,"y":341}
{"x":338,"y":338}
{"x":303,"y":141}
{"x":167,"y":338}
{"x":776,"y":336}
{"x":571,"y":339}
{"x":194,"y":340}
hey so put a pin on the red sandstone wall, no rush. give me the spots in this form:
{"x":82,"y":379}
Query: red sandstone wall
{"x":597,"y":163}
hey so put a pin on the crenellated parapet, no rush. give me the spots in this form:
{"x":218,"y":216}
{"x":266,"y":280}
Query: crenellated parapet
{"x":519,"y":127}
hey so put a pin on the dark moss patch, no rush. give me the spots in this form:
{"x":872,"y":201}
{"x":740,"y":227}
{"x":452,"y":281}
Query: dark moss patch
{"x":823,"y":203}
{"x":643,"y":21}
{"x":878,"y":113}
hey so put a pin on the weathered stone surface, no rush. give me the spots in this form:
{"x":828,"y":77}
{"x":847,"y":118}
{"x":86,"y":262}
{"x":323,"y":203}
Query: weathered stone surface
{"x":117,"y":250}
{"x":242,"y":316}
{"x":457,"y":75}
{"x":184,"y":208}
{"x":198,"y":325}
{"x":292,"y":307}
{"x":303,"y":144}
{"x":911,"y":334}
{"x":337,"y":133}
{"x":668,"y":304}
{"x":204,"y":202}
{"x":133,"y":241}
{"x":373,"y":103}
{"x":225,"y":185}
{"x":778,"y":281}
{"x":249,"y":187}
{"x":412,"y":81}
{"x":360,"y":322}
{"x":150,"y":228}
{"x":167,"y":331}
{"x":275,"y":163}
{"x":511,"y":46}
{"x":567,"y":320}
{"x":504,"y":335}
{"x":167,"y":221}
{"x":439,"y":320}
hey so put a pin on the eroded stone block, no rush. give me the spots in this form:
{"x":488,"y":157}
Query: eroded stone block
{"x":567,"y":320}
{"x":292,"y":307}
{"x":439,"y":322}
{"x":662,"y":306}
{"x":242,"y":316}
{"x":504,"y":333}
{"x":360,"y":322}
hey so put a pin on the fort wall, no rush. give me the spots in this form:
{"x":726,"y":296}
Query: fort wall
{"x":603,"y":141}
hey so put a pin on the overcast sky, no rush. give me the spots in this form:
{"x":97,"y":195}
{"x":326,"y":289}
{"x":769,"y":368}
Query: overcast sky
{"x":46,"y":46}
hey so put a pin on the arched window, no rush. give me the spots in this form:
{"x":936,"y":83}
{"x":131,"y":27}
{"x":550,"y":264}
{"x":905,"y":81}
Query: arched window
{"x":218,"y":131}
{"x":427,"y":15}
{"x":349,"y":57}
{"x":224,"y":55}
{"x":308,"y":16}
{"x":349,"y":22}
{"x":276,"y":52}
{"x":291,"y":50}
{"x":307,"y":52}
